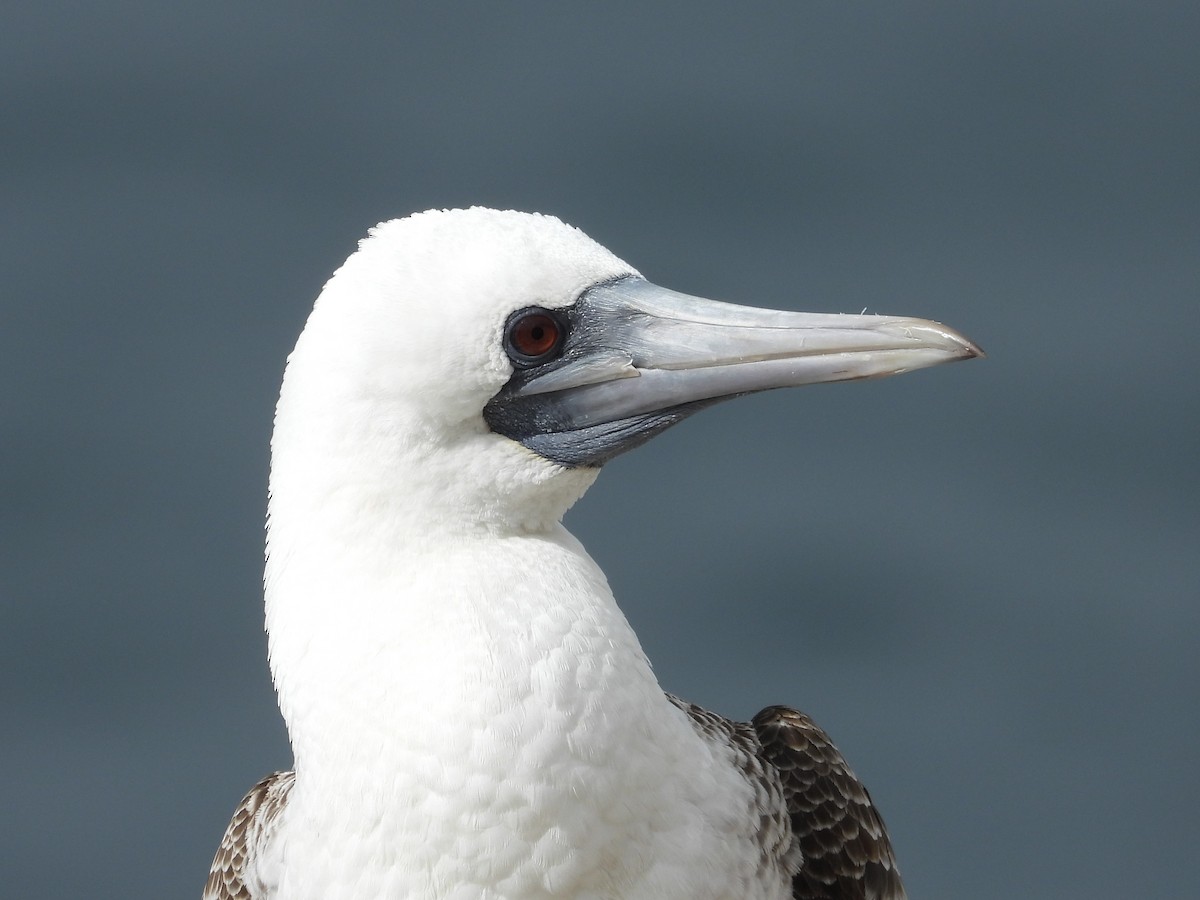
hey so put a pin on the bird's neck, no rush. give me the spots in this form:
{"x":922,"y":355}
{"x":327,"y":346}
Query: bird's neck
{"x":416,"y":597}
{"x":479,"y":708}
{"x":384,"y":655}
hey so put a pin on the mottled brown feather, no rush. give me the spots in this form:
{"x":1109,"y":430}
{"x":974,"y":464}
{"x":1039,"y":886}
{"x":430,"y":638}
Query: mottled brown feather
{"x":844,"y":845}
{"x":819,"y":824}
{"x":227,"y":879}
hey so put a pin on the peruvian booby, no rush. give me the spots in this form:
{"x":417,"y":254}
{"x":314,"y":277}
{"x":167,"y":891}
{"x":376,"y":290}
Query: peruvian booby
{"x":470,"y":712}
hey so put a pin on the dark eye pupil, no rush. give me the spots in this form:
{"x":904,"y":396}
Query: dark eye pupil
{"x":534,"y":335}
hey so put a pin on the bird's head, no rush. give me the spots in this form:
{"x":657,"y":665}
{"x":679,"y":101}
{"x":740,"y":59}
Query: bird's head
{"x":476,"y":367}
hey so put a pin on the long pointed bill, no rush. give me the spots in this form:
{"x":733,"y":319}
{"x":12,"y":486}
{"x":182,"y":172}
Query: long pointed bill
{"x":639,"y":358}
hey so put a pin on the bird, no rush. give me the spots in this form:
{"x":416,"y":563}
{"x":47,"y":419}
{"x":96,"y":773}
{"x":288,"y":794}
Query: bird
{"x":471,"y":714}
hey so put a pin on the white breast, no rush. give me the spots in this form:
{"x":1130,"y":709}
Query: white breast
{"x":482,"y":723}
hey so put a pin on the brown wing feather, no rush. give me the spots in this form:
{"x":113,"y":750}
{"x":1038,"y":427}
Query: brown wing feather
{"x":243,"y":837}
{"x":844,"y":845}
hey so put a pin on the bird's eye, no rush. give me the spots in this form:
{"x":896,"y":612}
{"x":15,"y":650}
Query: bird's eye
{"x":533,"y":335}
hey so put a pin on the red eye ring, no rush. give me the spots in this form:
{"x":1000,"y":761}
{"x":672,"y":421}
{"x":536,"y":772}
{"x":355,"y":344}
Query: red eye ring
{"x":533,"y":335}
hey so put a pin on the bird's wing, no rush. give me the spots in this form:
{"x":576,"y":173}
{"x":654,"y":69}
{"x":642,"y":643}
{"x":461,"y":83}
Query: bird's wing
{"x":844,"y":845}
{"x":816,"y":821}
{"x":232,"y":876}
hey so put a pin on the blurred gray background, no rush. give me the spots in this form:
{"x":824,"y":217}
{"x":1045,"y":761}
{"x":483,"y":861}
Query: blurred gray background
{"x":983,"y":579}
